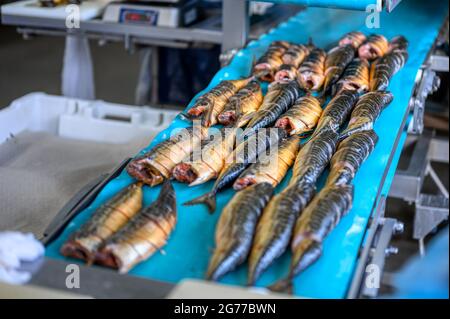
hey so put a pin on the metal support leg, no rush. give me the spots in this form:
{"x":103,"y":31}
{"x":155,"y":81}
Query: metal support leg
{"x":78,"y":73}
{"x":144,"y":82}
{"x":235,"y":27}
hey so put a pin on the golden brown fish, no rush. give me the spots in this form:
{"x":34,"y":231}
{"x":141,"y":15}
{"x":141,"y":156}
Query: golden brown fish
{"x":355,"y":77}
{"x":354,"y":38}
{"x":337,"y":60}
{"x":302,"y":117}
{"x":143,"y":235}
{"x":235,"y":229}
{"x":292,"y":59}
{"x":245,"y":102}
{"x":374,"y":47}
{"x":312,"y":70}
{"x":216,"y":99}
{"x":104,"y":222}
{"x":267,"y":65}
{"x":155,"y":165}
{"x":272,"y":168}
{"x":202,"y":167}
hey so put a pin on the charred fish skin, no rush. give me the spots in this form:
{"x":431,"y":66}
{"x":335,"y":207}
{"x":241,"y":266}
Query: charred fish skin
{"x":200,"y":168}
{"x":277,"y":101}
{"x":104,"y":222}
{"x":312,"y":71}
{"x":366,"y":112}
{"x":143,"y":235}
{"x":271,"y":169}
{"x":270,"y":61}
{"x":354,"y":38}
{"x":302,"y":117}
{"x":218,"y":98}
{"x":316,"y":222}
{"x":274,"y":229}
{"x":335,"y":64}
{"x":350,"y":154}
{"x":244,"y":102}
{"x":336,"y":112}
{"x":374,"y":47}
{"x":157,"y":164}
{"x":313,"y":157}
{"x":235,"y":229}
{"x":245,"y":153}
{"x":355,"y":77}
{"x":383,"y":69}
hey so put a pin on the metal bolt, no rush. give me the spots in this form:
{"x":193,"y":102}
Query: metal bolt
{"x":391,"y":250}
{"x":399,"y":228}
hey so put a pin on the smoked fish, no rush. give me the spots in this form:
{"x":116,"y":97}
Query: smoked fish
{"x":245,"y":153}
{"x":302,"y":117}
{"x":354,"y":38}
{"x":337,"y":60}
{"x":279,"y":98}
{"x":374,"y":47}
{"x":155,"y":165}
{"x":355,"y":77}
{"x":200,"y":168}
{"x":245,"y":102}
{"x":336,"y":112}
{"x":366,"y":111}
{"x":146,"y":233}
{"x":214,"y":100}
{"x":272,"y":168}
{"x":311,"y":73}
{"x":236,"y":227}
{"x":104,"y":222}
{"x":268,"y":64}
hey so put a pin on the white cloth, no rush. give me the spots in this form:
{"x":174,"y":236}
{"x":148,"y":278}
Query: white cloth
{"x":16,"y":247}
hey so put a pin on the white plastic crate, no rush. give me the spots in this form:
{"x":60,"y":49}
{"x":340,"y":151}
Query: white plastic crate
{"x":80,"y":119}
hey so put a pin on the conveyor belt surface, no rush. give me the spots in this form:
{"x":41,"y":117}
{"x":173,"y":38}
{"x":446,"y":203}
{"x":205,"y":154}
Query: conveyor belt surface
{"x":190,"y":246}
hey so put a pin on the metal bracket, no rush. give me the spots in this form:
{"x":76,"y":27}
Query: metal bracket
{"x":427,"y":82}
{"x":430,"y":209}
{"x":373,"y":253}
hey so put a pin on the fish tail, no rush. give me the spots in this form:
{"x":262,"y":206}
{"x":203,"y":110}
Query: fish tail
{"x":282,"y":286}
{"x":209,"y":199}
{"x":219,"y":265}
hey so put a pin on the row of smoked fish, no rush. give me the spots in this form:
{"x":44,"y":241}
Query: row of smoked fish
{"x":256,"y":225}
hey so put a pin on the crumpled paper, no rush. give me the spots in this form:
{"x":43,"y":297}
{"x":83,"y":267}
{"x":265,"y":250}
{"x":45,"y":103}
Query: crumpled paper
{"x":15,"y":248}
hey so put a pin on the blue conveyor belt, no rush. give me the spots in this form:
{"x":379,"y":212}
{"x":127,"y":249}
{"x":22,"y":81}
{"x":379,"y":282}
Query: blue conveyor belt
{"x":190,"y":246}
